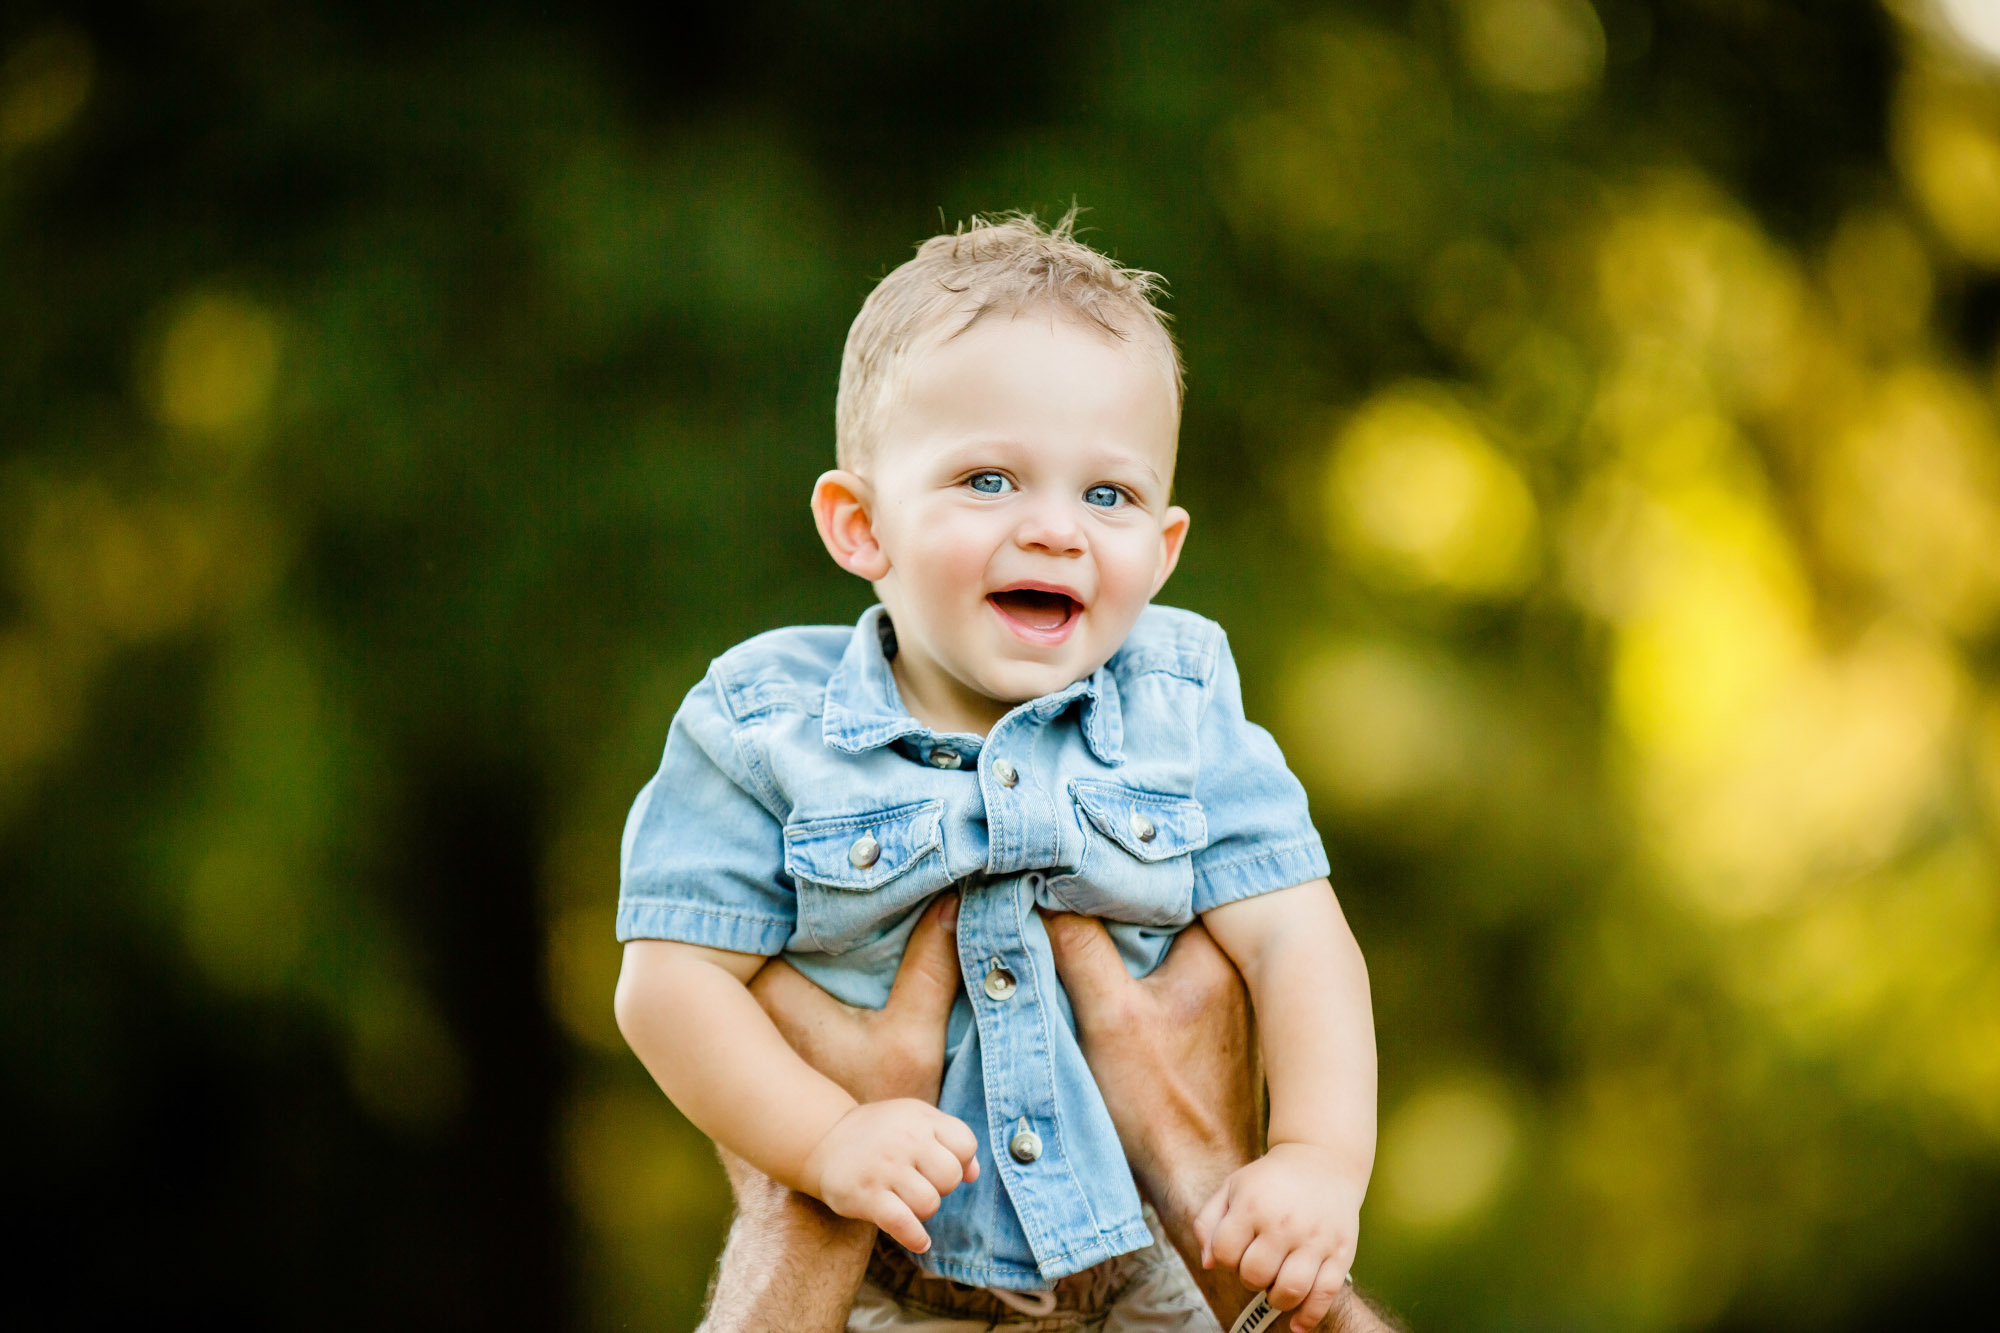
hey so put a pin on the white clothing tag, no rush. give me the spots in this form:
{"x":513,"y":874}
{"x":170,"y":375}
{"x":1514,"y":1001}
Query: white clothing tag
{"x":1259,"y":1316}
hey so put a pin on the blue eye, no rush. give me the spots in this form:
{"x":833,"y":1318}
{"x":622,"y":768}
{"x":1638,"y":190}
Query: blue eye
{"x":988,"y":483}
{"x":1105,"y":497}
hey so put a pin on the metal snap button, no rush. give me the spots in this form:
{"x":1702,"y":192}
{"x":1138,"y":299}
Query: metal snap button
{"x":943,"y":758}
{"x":1005,"y":772}
{"x":1142,"y":827}
{"x":999,"y":981}
{"x":865,"y":851}
{"x":1026,"y":1145}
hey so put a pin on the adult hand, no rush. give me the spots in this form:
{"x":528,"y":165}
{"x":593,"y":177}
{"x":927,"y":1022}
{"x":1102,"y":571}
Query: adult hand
{"x":1174,"y":1057}
{"x":876,"y":1054}
{"x":791,"y":1265}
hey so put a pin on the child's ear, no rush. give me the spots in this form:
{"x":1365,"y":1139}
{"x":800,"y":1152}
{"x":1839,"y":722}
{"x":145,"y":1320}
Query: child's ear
{"x":1173,"y":532}
{"x":841,"y":502}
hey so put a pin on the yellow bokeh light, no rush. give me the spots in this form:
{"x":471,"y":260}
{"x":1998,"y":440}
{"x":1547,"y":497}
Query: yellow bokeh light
{"x":1533,"y":46}
{"x":218,"y":364}
{"x":43,"y":84}
{"x":1948,"y":146}
{"x":1680,"y":546}
{"x":1416,"y":491}
{"x":1704,"y":660}
{"x":1893,"y":977}
{"x":1684,"y":277}
{"x":1986,"y":760}
{"x":1825,"y":783}
{"x":1909,"y":496}
{"x":1445,"y":1154}
{"x":1374,"y":725}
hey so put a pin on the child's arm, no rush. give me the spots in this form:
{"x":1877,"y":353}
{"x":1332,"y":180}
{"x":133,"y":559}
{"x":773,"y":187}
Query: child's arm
{"x":689,"y":1016}
{"x":1290,"y":1220}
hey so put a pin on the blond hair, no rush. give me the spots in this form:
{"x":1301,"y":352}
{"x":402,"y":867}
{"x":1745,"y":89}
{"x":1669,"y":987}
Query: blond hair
{"x":1010,"y":263}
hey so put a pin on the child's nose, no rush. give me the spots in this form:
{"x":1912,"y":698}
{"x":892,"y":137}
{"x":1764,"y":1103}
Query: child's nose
{"x":1052,"y":527}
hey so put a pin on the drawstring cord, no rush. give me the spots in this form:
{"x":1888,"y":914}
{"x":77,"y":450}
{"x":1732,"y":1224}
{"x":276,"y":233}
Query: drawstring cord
{"x":1034,"y":1304}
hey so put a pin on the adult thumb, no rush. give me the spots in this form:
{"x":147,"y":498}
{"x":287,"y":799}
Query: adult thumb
{"x":927,"y":980}
{"x":1086,"y":958}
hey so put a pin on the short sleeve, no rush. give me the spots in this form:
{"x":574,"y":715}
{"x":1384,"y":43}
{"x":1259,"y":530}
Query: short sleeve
{"x":1260,"y":833}
{"x":702,"y":859}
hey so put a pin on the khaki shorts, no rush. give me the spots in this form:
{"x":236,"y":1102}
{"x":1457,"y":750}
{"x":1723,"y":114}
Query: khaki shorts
{"x":1147,"y":1291}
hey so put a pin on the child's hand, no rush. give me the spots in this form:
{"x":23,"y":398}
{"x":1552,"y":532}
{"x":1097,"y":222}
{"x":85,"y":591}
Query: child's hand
{"x":1288,"y":1223}
{"x":892,"y":1163}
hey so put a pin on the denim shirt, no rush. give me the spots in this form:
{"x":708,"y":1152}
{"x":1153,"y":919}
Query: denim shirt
{"x":800,"y":810}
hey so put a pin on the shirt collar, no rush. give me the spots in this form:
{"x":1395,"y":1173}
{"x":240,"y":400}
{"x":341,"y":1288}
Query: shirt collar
{"x":864,"y":710}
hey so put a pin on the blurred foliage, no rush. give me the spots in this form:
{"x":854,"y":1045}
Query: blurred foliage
{"x":1594,"y":451}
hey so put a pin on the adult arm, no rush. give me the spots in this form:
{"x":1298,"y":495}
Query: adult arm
{"x":1173,"y":1054}
{"x":732,"y":1073}
{"x":1175,"y":1058}
{"x":791,"y":1264}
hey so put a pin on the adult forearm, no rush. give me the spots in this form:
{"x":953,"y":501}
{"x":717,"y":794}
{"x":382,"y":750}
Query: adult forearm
{"x":790,"y":1265}
{"x":1173,"y":1055}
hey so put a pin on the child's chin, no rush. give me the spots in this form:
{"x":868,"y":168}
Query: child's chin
{"x":1032,"y":681}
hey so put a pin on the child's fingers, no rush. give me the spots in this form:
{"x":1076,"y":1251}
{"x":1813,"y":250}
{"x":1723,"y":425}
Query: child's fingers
{"x":894,"y":1217}
{"x":1231,"y":1238}
{"x":957,"y":1137}
{"x":940,"y":1167}
{"x":1327,"y":1286}
{"x":1207,"y":1220}
{"x":919,"y":1194}
{"x":1294,"y":1280}
{"x":1259,"y":1265}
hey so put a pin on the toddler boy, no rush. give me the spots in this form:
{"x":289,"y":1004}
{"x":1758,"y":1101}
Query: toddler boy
{"x":1015,"y":723}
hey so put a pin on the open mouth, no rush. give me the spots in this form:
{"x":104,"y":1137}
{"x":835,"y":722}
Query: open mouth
{"x":1036,"y":608}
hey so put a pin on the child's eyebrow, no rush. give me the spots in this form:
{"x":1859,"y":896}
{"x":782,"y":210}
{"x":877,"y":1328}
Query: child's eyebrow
{"x":1140,"y":464}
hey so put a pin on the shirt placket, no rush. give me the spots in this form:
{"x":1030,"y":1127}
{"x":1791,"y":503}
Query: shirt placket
{"x":1009,"y":991}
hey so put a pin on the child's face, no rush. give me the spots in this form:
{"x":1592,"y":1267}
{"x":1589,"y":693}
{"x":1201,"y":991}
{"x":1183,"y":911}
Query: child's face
{"x":1019,"y":510}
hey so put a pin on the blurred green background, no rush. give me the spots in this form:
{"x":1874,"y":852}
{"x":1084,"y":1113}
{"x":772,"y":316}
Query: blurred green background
{"x":1593,"y":448}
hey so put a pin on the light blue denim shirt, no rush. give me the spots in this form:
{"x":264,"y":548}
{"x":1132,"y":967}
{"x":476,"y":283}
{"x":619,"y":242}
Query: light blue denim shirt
{"x":800,"y":810}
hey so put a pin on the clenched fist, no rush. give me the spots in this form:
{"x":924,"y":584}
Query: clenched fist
{"x":1288,"y":1223}
{"x":892,"y":1163}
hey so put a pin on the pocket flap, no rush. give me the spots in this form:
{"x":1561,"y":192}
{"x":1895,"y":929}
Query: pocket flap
{"x":862,"y":851}
{"x":1147,"y":824}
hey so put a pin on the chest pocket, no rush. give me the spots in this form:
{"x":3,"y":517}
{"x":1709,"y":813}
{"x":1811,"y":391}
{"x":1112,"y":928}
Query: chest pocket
{"x":855,"y":873}
{"x":1138,"y":855}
